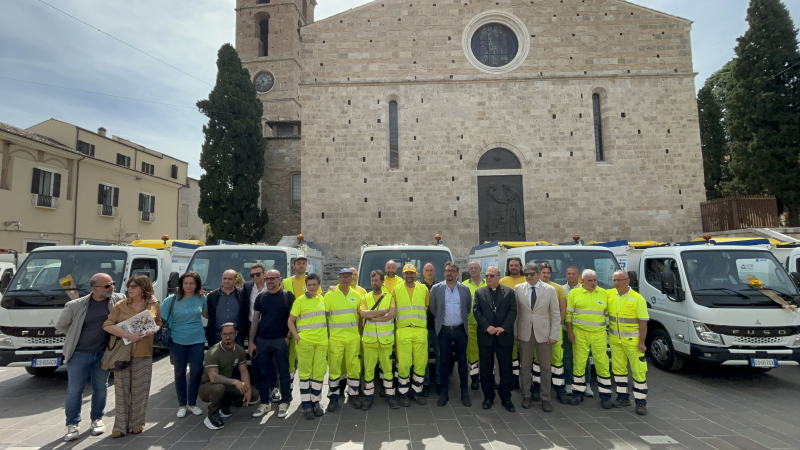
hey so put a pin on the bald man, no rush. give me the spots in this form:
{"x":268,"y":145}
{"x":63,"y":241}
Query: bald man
{"x":227,"y":305}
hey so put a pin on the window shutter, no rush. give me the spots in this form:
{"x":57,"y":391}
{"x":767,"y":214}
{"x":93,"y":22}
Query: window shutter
{"x":152,"y":169}
{"x":175,"y":171}
{"x":116,"y":196}
{"x":143,"y":167}
{"x":141,"y":202}
{"x":100,"y":192}
{"x":120,"y":159}
{"x":35,"y":182}
{"x":56,"y":185}
{"x":91,"y":151}
{"x":128,"y":161}
{"x":152,"y":204}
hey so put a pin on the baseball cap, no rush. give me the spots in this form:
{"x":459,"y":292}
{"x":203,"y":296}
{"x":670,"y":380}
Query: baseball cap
{"x":301,"y":257}
{"x":409,"y":268}
{"x":346,"y":270}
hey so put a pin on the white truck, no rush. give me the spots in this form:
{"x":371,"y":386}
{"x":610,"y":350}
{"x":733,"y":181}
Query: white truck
{"x":35,"y":296}
{"x":375,"y":257}
{"x":212,"y":260}
{"x":602,"y":258}
{"x":702,"y":307}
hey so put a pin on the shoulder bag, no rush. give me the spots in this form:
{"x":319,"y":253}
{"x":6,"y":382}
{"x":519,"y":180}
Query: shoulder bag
{"x":161,"y":339}
{"x":117,"y":355}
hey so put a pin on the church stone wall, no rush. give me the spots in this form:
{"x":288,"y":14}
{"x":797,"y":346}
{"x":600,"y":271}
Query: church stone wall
{"x":281,"y":161}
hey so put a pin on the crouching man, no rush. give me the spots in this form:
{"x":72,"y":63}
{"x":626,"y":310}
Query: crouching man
{"x":218,"y":387}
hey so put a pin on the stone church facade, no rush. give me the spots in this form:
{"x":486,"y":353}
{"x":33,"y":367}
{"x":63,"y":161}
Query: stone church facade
{"x":477,"y":120}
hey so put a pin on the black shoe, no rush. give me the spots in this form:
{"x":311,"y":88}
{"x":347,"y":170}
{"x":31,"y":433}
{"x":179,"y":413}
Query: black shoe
{"x":621,"y":402}
{"x":426,"y":390}
{"x":563,"y":398}
{"x":536,"y":396}
{"x":421,"y":400}
{"x":213,"y":421}
{"x":487,"y":404}
{"x":641,"y":409}
{"x":308,"y":413}
{"x":318,"y":410}
{"x":575,"y":401}
{"x":547,"y":407}
{"x":225,"y":411}
{"x":332,"y":405}
{"x":392,"y":402}
{"x":476,"y":385}
{"x":509,"y":406}
{"x":405,"y":402}
{"x":465,"y":400}
{"x":367,"y":405}
{"x":443,"y":399}
{"x":606,"y":404}
{"x":355,"y":402}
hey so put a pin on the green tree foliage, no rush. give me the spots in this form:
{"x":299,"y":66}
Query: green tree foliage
{"x":763,"y":108}
{"x":713,"y":131}
{"x":233,"y":154}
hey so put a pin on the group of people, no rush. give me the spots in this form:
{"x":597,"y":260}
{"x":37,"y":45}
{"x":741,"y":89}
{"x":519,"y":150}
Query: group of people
{"x":350,"y":333}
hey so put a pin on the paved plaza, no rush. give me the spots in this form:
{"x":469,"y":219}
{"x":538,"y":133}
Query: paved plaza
{"x":698,"y":408}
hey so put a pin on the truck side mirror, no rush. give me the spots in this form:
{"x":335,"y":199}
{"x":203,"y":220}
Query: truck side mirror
{"x":172,"y":284}
{"x":5,"y":281}
{"x":669,"y":286}
{"x":634,"y":280}
{"x":796,"y":278}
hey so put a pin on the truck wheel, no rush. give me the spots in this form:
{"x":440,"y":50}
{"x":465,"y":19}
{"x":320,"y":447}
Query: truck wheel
{"x":41,"y":371}
{"x":662,"y":352}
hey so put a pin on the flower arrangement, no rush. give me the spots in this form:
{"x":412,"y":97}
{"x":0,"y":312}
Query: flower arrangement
{"x":66,"y":283}
{"x":756,"y":283}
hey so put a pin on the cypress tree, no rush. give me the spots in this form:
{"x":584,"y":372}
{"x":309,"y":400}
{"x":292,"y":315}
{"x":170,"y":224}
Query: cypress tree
{"x":233,"y":154}
{"x":713,"y":131}
{"x":763,"y":114}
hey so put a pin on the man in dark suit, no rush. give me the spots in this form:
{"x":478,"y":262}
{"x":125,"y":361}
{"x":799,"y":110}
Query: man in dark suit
{"x":495,"y":310}
{"x":227,"y":305}
{"x":450,"y":305}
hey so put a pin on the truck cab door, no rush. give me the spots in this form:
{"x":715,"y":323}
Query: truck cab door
{"x":665,"y":308}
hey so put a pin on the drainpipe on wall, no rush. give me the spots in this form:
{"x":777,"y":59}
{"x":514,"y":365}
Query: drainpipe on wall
{"x":77,"y":184}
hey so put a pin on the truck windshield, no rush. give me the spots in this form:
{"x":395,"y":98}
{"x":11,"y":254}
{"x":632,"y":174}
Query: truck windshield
{"x":601,"y":261}
{"x":377,"y":260}
{"x":717,"y":278}
{"x":211,"y":264}
{"x":42,"y":279}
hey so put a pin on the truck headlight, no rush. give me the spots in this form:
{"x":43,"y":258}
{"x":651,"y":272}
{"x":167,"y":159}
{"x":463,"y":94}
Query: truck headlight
{"x":5,"y":341}
{"x":706,"y":335}
{"x":794,"y":341}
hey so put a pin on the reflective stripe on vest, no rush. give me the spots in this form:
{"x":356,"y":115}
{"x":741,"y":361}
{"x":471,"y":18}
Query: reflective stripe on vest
{"x":626,"y":334}
{"x":310,"y":326}
{"x":623,"y":314}
{"x":411,"y":311}
{"x":612,"y":318}
{"x":312,"y":319}
{"x":588,"y":310}
{"x":378,"y":332}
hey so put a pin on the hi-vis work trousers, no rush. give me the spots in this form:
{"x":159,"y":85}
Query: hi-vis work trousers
{"x":594,"y":342}
{"x":472,"y":348}
{"x":412,"y":349}
{"x":345,"y":354}
{"x":623,"y":352}
{"x":374,"y":354}
{"x":311,"y":367}
{"x":556,"y":368}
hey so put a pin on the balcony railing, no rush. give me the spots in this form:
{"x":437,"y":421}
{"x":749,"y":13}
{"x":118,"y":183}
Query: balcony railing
{"x":147,"y":216}
{"x":45,"y":201}
{"x":107,"y":211}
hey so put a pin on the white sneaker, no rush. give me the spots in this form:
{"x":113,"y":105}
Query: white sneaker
{"x":98,"y":427}
{"x":283,"y":410}
{"x":181,"y":412}
{"x":262,"y":409}
{"x":589,"y":392}
{"x":195,"y":410}
{"x":72,"y":433}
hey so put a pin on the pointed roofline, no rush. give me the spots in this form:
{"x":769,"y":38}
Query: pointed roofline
{"x":655,"y":11}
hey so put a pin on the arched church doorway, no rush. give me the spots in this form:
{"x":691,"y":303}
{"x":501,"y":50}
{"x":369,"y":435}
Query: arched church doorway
{"x":501,"y":207}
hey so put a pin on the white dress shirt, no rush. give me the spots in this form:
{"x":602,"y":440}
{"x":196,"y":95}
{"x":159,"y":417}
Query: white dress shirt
{"x":253,"y":294}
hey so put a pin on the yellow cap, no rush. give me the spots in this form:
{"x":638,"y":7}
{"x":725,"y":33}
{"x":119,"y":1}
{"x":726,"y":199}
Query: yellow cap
{"x":409,"y":268}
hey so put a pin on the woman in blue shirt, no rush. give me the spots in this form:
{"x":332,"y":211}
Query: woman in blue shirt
{"x":183,"y":310}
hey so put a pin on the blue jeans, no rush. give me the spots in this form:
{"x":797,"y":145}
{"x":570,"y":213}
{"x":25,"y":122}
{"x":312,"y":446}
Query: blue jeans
{"x":568,"y":379}
{"x":434,"y":341}
{"x":181,"y":356}
{"x":79,"y":367}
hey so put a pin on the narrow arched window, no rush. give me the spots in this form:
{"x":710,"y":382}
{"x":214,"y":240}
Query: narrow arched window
{"x":598,"y":128}
{"x":264,"y":37}
{"x":394,"y":153}
{"x":305,"y":10}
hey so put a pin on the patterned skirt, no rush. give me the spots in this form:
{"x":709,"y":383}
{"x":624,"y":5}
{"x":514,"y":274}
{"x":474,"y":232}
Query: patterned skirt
{"x":132,"y":389}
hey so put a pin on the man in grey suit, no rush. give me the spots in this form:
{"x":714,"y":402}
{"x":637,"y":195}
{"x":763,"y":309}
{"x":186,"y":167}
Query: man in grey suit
{"x":537,"y":329}
{"x":450,"y":305}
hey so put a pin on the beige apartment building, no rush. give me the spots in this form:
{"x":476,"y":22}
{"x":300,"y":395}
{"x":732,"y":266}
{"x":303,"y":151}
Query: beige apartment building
{"x":60,"y":184}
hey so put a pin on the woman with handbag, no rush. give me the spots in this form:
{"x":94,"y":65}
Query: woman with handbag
{"x":132,"y":383}
{"x":184,"y":334}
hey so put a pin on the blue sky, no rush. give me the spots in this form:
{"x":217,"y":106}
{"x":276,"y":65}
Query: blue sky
{"x":42,"y":45}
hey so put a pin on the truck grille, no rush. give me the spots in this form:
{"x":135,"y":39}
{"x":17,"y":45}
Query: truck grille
{"x":748,"y":340}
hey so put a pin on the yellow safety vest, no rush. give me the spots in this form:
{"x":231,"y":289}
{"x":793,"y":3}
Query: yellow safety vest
{"x":587,"y":310}
{"x":411,"y":311}
{"x":311,"y":323}
{"x":378,"y":332}
{"x":342,"y":314}
{"x":624,"y":313}
{"x":289,"y":286}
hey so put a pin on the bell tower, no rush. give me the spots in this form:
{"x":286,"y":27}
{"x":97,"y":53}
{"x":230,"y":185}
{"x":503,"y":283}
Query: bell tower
{"x":269,"y":44}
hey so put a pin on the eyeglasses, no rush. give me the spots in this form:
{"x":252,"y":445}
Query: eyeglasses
{"x":531,"y":274}
{"x":491,"y":276}
{"x":256,"y":274}
{"x":451,"y":270}
{"x":618,"y":279}
{"x":112,"y":284}
{"x":270,"y":278}
{"x":227,"y":335}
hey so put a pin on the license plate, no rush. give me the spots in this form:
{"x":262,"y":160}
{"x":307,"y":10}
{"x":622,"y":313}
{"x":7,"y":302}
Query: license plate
{"x":759,"y":362}
{"x":46,"y":362}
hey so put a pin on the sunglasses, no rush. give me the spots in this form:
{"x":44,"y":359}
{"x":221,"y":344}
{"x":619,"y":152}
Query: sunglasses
{"x":531,"y":274}
{"x":109,"y":285}
{"x":256,"y":274}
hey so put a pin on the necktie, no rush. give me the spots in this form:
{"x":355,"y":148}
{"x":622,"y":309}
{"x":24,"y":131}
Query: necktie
{"x":533,"y":296}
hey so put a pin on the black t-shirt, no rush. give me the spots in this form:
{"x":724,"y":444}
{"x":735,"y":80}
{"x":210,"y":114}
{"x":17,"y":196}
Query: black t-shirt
{"x":274,"y":314}
{"x":93,"y":338}
{"x":431,"y":318}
